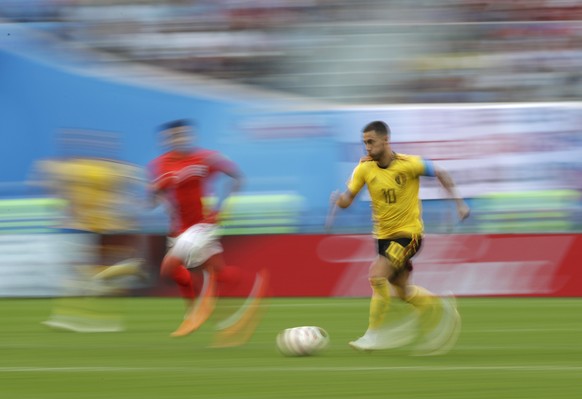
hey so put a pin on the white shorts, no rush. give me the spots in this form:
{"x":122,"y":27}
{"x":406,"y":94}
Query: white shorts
{"x":196,"y":245}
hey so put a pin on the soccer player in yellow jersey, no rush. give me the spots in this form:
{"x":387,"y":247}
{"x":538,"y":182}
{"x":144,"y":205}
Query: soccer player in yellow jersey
{"x":96,"y":192}
{"x":393,"y":184}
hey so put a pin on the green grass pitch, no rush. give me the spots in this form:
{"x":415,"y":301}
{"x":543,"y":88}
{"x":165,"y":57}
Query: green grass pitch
{"x":508,"y":348}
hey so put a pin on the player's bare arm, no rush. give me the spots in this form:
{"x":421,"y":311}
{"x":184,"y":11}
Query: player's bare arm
{"x":448,"y":184}
{"x":237,"y":180}
{"x":235,"y":184}
{"x":344,"y":199}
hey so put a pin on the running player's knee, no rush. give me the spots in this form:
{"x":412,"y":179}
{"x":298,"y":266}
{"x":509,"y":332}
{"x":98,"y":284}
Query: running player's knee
{"x":377,"y":281}
{"x":169,"y":266}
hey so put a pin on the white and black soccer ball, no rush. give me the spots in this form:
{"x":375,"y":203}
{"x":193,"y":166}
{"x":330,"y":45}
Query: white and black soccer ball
{"x":302,"y":341}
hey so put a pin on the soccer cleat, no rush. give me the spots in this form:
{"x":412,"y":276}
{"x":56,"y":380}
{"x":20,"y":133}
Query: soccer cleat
{"x":367,"y":342}
{"x":443,"y":337}
{"x":394,"y":335}
{"x":202,"y":311}
{"x":362,"y":344}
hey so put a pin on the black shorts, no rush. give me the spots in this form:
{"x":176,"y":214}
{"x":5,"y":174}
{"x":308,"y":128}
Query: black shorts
{"x":411,"y":246}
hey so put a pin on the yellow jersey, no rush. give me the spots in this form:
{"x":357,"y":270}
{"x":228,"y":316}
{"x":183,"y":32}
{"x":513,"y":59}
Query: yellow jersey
{"x":396,"y":207}
{"x":95,"y":190}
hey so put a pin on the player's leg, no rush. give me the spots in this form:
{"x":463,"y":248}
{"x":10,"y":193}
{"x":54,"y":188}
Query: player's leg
{"x":420,"y":298}
{"x":399,"y":253}
{"x":378,"y":274}
{"x":233,"y":280}
{"x":124,"y":268}
{"x":379,"y":304}
{"x":238,"y":327}
{"x":438,"y":317}
{"x":219,"y":277}
{"x":173,"y":268}
{"x":195,"y":251}
{"x":228,"y":277}
{"x":199,"y":248}
{"x":119,"y":260}
{"x":380,"y":300}
{"x":391,"y":266}
{"x":202,"y":308}
{"x":81,"y":308}
{"x":443,"y":335}
{"x":427,"y":305}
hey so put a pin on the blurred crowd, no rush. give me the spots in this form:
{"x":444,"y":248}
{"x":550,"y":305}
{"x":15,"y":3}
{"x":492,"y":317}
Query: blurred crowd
{"x":368,"y":51}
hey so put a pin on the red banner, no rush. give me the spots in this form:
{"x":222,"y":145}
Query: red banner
{"x":466,"y":265}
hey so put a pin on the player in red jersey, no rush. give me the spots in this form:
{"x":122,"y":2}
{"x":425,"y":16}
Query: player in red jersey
{"x":179,"y":177}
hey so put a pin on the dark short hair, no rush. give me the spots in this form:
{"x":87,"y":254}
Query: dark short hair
{"x":176,"y":123}
{"x":377,"y":126}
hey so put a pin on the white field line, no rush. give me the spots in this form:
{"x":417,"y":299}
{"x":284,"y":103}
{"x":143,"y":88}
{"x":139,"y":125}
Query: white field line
{"x":485,"y":302}
{"x":522,"y":330}
{"x":105,"y":369}
{"x":256,"y":344}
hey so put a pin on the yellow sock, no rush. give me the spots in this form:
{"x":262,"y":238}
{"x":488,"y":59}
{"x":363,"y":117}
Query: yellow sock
{"x":379,"y":303}
{"x":129,"y":267}
{"x":427,"y":303}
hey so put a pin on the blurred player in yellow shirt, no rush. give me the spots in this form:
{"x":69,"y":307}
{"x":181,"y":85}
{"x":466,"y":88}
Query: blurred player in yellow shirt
{"x":393,"y":182}
{"x":94,"y":191}
{"x":95,"y":188}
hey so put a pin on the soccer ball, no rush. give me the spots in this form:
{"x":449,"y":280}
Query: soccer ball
{"x":302,"y":341}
